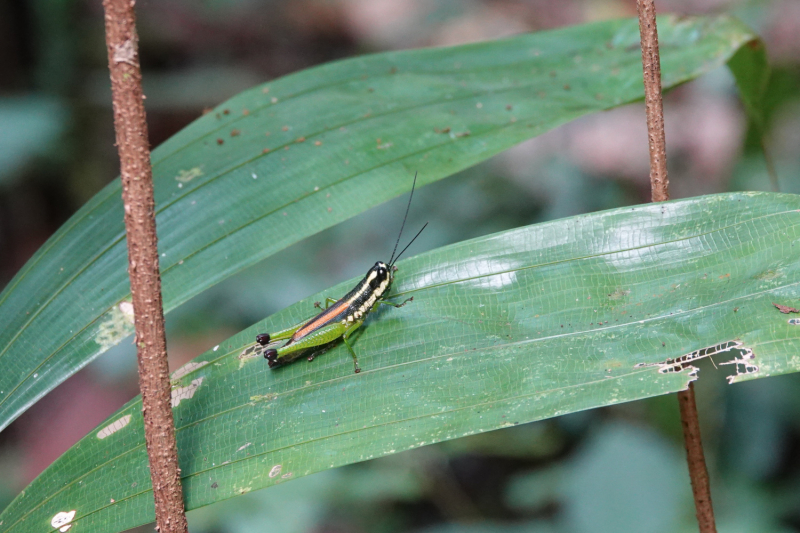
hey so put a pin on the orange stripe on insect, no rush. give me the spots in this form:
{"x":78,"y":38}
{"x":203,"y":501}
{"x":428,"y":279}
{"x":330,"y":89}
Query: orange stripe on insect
{"x":319,"y":320}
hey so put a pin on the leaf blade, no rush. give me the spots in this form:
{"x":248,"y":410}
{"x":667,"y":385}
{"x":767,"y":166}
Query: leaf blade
{"x":223,"y":204}
{"x":504,"y":329}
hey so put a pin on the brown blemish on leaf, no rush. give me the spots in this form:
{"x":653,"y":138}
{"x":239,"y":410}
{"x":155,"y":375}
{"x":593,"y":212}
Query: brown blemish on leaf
{"x":785,"y":309}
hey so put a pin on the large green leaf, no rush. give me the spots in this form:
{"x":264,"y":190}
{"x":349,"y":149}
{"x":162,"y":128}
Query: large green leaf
{"x":341,"y":137}
{"x":505,"y":329}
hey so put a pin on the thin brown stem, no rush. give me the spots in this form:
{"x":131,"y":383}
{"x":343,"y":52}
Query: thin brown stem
{"x":137,"y":195}
{"x":697,"y":463}
{"x":659,"y":184}
{"x":651,"y":63}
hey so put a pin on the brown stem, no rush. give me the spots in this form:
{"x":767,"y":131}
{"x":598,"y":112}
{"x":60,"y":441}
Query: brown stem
{"x":651,"y":62}
{"x":137,"y":195}
{"x":697,"y":463}
{"x":659,"y":184}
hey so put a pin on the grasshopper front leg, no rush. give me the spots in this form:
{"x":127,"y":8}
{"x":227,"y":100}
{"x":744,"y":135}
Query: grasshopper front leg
{"x":383,"y":302}
{"x":350,"y":329}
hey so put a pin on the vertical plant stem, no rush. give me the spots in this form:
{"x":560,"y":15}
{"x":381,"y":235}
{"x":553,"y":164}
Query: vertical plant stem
{"x":137,"y":195}
{"x":696,"y":460}
{"x":659,"y":184}
{"x":651,"y":62}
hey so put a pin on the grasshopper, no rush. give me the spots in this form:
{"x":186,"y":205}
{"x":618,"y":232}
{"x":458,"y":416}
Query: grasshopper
{"x":340,"y":318}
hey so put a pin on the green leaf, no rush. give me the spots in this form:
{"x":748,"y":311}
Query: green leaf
{"x":343,"y":137}
{"x":750,"y":68}
{"x":504,"y":329}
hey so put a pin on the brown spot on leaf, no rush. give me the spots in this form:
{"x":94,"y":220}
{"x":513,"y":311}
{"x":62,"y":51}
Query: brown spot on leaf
{"x":785,"y":309}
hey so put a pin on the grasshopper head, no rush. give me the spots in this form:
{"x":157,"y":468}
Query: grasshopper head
{"x":380,"y":277}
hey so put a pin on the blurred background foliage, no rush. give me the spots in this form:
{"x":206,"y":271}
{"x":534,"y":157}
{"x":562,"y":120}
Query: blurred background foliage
{"x":614,"y":469}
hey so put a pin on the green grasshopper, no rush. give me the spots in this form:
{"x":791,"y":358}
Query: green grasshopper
{"x":340,"y":318}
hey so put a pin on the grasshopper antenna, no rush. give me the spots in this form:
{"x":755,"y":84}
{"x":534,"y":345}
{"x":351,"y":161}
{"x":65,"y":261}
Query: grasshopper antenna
{"x":409,"y":244}
{"x":403,"y":225}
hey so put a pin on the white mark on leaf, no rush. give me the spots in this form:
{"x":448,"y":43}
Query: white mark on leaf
{"x":184,"y":393}
{"x":61,"y":521}
{"x":244,"y":446}
{"x":127,"y":310}
{"x":185,"y":176}
{"x":251,"y":352}
{"x":276,"y":470}
{"x":187,"y":368}
{"x":117,"y":325}
{"x":114,"y":426}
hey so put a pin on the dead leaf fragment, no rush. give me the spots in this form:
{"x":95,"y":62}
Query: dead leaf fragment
{"x":785,"y":309}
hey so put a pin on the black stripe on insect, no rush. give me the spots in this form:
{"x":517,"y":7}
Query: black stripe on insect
{"x":340,"y":318}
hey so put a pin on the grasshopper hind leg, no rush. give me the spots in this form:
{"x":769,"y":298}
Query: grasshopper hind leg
{"x":271,"y":356}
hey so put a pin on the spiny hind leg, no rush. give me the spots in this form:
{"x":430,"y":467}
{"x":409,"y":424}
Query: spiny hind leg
{"x":265,"y":338}
{"x":292,"y":350}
